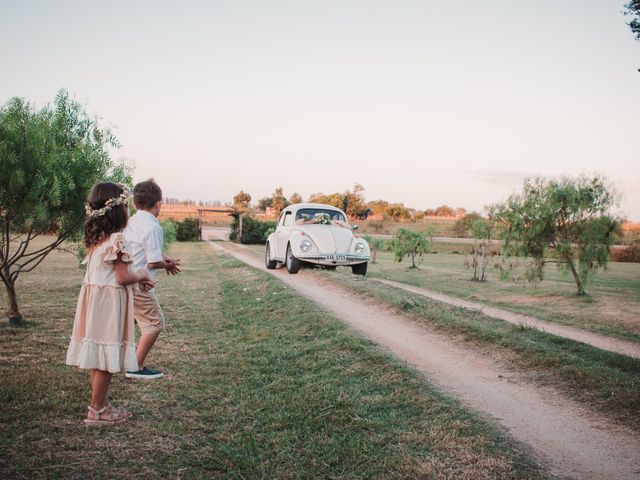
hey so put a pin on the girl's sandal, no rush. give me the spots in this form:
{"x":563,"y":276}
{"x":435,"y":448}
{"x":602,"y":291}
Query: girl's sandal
{"x":120,"y":411}
{"x":112,"y":417}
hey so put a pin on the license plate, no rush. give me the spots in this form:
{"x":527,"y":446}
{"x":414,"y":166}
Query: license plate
{"x":338,"y":258}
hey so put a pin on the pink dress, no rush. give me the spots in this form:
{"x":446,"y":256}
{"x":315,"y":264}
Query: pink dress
{"x":103,"y":334}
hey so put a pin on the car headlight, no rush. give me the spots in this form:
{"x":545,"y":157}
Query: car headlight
{"x":305,"y":245}
{"x":360,"y":247}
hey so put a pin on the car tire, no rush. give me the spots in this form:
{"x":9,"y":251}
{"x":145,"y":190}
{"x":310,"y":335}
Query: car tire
{"x":293,"y":264}
{"x":268,"y":262}
{"x":359,"y":269}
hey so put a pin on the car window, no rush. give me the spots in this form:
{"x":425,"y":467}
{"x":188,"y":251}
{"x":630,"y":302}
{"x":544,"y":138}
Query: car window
{"x":287,"y":221}
{"x":309,"y":214}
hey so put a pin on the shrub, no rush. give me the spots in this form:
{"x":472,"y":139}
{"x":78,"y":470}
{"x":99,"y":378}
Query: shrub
{"x":187,"y":230}
{"x":462,"y":227}
{"x":630,"y":253}
{"x":253,"y":231}
{"x":169,"y":233}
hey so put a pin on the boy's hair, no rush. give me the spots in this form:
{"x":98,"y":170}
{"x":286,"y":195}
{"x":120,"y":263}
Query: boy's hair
{"x":98,"y":228}
{"x":146,"y":194}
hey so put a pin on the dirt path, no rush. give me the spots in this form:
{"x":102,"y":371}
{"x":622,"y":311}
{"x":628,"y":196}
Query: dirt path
{"x":590,"y":338}
{"x":574,"y":441}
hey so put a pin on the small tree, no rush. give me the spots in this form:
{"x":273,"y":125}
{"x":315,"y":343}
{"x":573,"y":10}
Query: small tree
{"x":241,"y":205}
{"x":483,"y":231}
{"x":354,"y":203}
{"x":49,"y":160}
{"x":567,"y":217}
{"x":241,"y":201}
{"x":278,"y":203}
{"x":295,"y":198}
{"x":408,"y":243}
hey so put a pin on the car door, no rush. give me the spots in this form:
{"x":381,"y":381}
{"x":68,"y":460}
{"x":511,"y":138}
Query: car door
{"x":282,"y":234}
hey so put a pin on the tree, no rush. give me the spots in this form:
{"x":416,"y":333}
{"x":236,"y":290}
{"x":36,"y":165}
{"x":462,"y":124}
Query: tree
{"x":444,"y":211}
{"x":377,"y":208}
{"x":633,"y":8}
{"x":241,"y":201}
{"x":483,"y":231}
{"x":397,"y":211}
{"x":462,"y":227}
{"x":279,"y":203}
{"x":264,"y":203}
{"x":241,"y":205}
{"x":567,"y":217}
{"x":49,"y":160}
{"x":295,"y":198}
{"x":354,"y":203}
{"x":334,"y":199}
{"x":408,"y":243}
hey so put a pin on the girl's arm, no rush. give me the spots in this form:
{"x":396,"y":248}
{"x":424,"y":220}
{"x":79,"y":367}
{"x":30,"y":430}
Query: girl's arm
{"x":126,"y":277}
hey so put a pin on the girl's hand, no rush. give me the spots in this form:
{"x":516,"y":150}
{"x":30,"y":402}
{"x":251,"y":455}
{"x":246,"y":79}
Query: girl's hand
{"x":146,"y":285}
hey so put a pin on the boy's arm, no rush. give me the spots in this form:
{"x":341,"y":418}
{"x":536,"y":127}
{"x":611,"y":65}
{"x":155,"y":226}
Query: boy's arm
{"x":153,"y":251}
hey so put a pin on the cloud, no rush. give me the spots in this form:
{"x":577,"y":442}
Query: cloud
{"x":507,"y":178}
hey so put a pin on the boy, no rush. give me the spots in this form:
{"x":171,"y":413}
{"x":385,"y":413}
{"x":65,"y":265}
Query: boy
{"x":145,"y":238}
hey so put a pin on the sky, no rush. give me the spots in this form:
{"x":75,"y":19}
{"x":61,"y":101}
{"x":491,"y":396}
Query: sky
{"x":422,"y":102}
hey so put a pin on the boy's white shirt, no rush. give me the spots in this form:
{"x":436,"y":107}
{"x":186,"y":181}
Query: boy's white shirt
{"x":145,"y":237}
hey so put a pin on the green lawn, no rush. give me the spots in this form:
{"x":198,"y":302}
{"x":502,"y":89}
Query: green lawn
{"x":612,"y":305}
{"x":442,"y":227}
{"x":260,"y":384}
{"x":605,"y":381}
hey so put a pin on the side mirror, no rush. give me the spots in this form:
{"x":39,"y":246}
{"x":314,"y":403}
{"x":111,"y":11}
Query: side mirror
{"x":354,"y":227}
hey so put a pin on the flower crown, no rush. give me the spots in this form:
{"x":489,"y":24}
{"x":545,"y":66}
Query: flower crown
{"x":122,"y":199}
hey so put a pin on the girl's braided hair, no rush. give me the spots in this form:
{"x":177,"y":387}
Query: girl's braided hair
{"x":107,"y":212}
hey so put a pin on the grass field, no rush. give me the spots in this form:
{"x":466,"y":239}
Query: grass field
{"x":612,"y":306}
{"x":260,"y":384}
{"x":442,"y":226}
{"x":605,"y":381}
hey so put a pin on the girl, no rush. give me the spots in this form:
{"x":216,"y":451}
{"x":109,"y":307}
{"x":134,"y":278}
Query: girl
{"x":103,"y":338}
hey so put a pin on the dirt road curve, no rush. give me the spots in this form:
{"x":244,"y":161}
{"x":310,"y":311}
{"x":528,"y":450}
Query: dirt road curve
{"x":575,"y":442}
{"x":595,"y":340}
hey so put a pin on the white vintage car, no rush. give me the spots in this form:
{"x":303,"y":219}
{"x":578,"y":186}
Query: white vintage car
{"x":318,"y":234}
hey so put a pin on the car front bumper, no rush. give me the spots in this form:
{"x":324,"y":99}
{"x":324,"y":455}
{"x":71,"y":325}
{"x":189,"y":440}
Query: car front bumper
{"x":331,"y":259}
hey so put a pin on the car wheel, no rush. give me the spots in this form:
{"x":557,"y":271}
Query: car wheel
{"x":269,"y":263}
{"x":359,"y":269}
{"x":293,"y":264}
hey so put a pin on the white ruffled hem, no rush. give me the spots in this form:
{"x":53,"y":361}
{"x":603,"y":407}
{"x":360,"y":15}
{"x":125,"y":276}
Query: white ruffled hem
{"x":116,"y":357}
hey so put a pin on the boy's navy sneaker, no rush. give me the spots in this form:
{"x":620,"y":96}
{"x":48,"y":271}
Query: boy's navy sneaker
{"x":146,"y":373}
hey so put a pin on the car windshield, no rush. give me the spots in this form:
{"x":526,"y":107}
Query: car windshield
{"x":319,"y":215}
